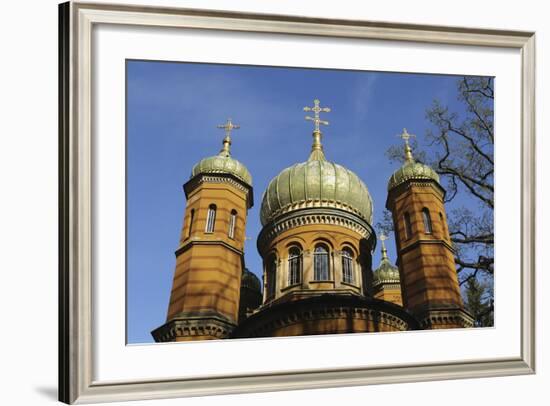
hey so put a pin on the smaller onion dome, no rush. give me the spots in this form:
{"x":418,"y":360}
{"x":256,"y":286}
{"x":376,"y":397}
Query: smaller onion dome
{"x":223,"y":163}
{"x":250,"y":281}
{"x":386,"y":271}
{"x":411,"y":169}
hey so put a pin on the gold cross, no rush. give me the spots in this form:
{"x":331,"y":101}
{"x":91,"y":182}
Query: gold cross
{"x":383,"y":237}
{"x":316,"y":110}
{"x":228,"y":127}
{"x":406,"y":136}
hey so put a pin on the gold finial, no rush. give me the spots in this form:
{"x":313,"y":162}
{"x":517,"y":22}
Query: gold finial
{"x":228,"y":127}
{"x":408,"y":151}
{"x":383,"y":238}
{"x":317,"y":148}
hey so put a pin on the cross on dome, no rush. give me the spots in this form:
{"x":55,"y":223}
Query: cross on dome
{"x":383,"y":237}
{"x":316,"y":117}
{"x":408,"y":151}
{"x":228,"y":127}
{"x":317,"y":148}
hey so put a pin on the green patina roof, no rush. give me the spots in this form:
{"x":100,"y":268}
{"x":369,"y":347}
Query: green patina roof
{"x":385,"y":273}
{"x":223,"y":164}
{"x":412,"y":170}
{"x":250,"y":281}
{"x":316,"y":183}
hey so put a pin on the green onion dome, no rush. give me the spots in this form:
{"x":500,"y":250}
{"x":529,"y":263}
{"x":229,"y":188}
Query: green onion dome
{"x":411,"y":170}
{"x":386,"y":271}
{"x":250,"y":281}
{"x":316,"y":183}
{"x":223,"y":163}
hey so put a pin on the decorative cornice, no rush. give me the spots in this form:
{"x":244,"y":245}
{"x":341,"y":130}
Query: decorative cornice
{"x":191,"y":242}
{"x":418,"y":242}
{"x":221,"y":177}
{"x":194,"y":324}
{"x":325,"y":307}
{"x":403,"y":187}
{"x":309,"y":216}
{"x":386,"y":282}
{"x":438,"y":317}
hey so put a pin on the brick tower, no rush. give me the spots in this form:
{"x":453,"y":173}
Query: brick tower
{"x":204,"y":301}
{"x":426,"y":263}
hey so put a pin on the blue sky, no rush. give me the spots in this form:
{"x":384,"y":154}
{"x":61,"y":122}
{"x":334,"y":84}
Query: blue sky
{"x":172,"y":113}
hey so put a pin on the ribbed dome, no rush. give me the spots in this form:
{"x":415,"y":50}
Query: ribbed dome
{"x":315,"y":183}
{"x":223,"y":164}
{"x":250,"y":281}
{"x":385,"y":273}
{"x":412,"y":170}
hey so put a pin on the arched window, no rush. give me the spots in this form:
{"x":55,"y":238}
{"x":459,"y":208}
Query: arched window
{"x":320,"y":263}
{"x":191,"y":222}
{"x":211,"y":218}
{"x":294,"y":266}
{"x":408,"y":227}
{"x":232,"y":222}
{"x":427,"y":221}
{"x":347,"y":265}
{"x":271,"y":277}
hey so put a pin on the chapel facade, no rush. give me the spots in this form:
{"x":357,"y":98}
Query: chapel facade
{"x":316,"y":244}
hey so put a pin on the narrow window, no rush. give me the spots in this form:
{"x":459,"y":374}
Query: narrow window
{"x":320,"y":263}
{"x":271,"y":276}
{"x":408,"y":227}
{"x":191,"y":222}
{"x":211,"y":218}
{"x":427,"y":221}
{"x":443,"y":229}
{"x":232,"y":221}
{"x":294,"y":266}
{"x":347,"y":265}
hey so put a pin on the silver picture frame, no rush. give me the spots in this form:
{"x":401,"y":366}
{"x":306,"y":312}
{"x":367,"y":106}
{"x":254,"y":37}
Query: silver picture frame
{"x":76,"y":21}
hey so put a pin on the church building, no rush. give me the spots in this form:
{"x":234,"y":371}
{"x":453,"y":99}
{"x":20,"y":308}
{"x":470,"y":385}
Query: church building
{"x":316,"y":243}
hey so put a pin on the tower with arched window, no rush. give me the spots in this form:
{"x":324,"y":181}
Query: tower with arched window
{"x":429,"y":283}
{"x":205,"y":296}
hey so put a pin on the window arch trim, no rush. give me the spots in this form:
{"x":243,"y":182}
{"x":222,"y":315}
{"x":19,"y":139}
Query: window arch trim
{"x":211,"y":219}
{"x":232,"y":224}
{"x":427,"y":220}
{"x":295,"y":265}
{"x":321,"y":263}
{"x":348,"y":258}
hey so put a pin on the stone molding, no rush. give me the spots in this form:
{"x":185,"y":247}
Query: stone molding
{"x":303,"y":217}
{"x":269,"y":318}
{"x":435,"y":317}
{"x":192,"y":324}
{"x":403,"y":187}
{"x":194,"y":182}
{"x":191,"y":242}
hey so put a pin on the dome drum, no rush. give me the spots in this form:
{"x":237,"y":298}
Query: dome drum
{"x":313,"y":216}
